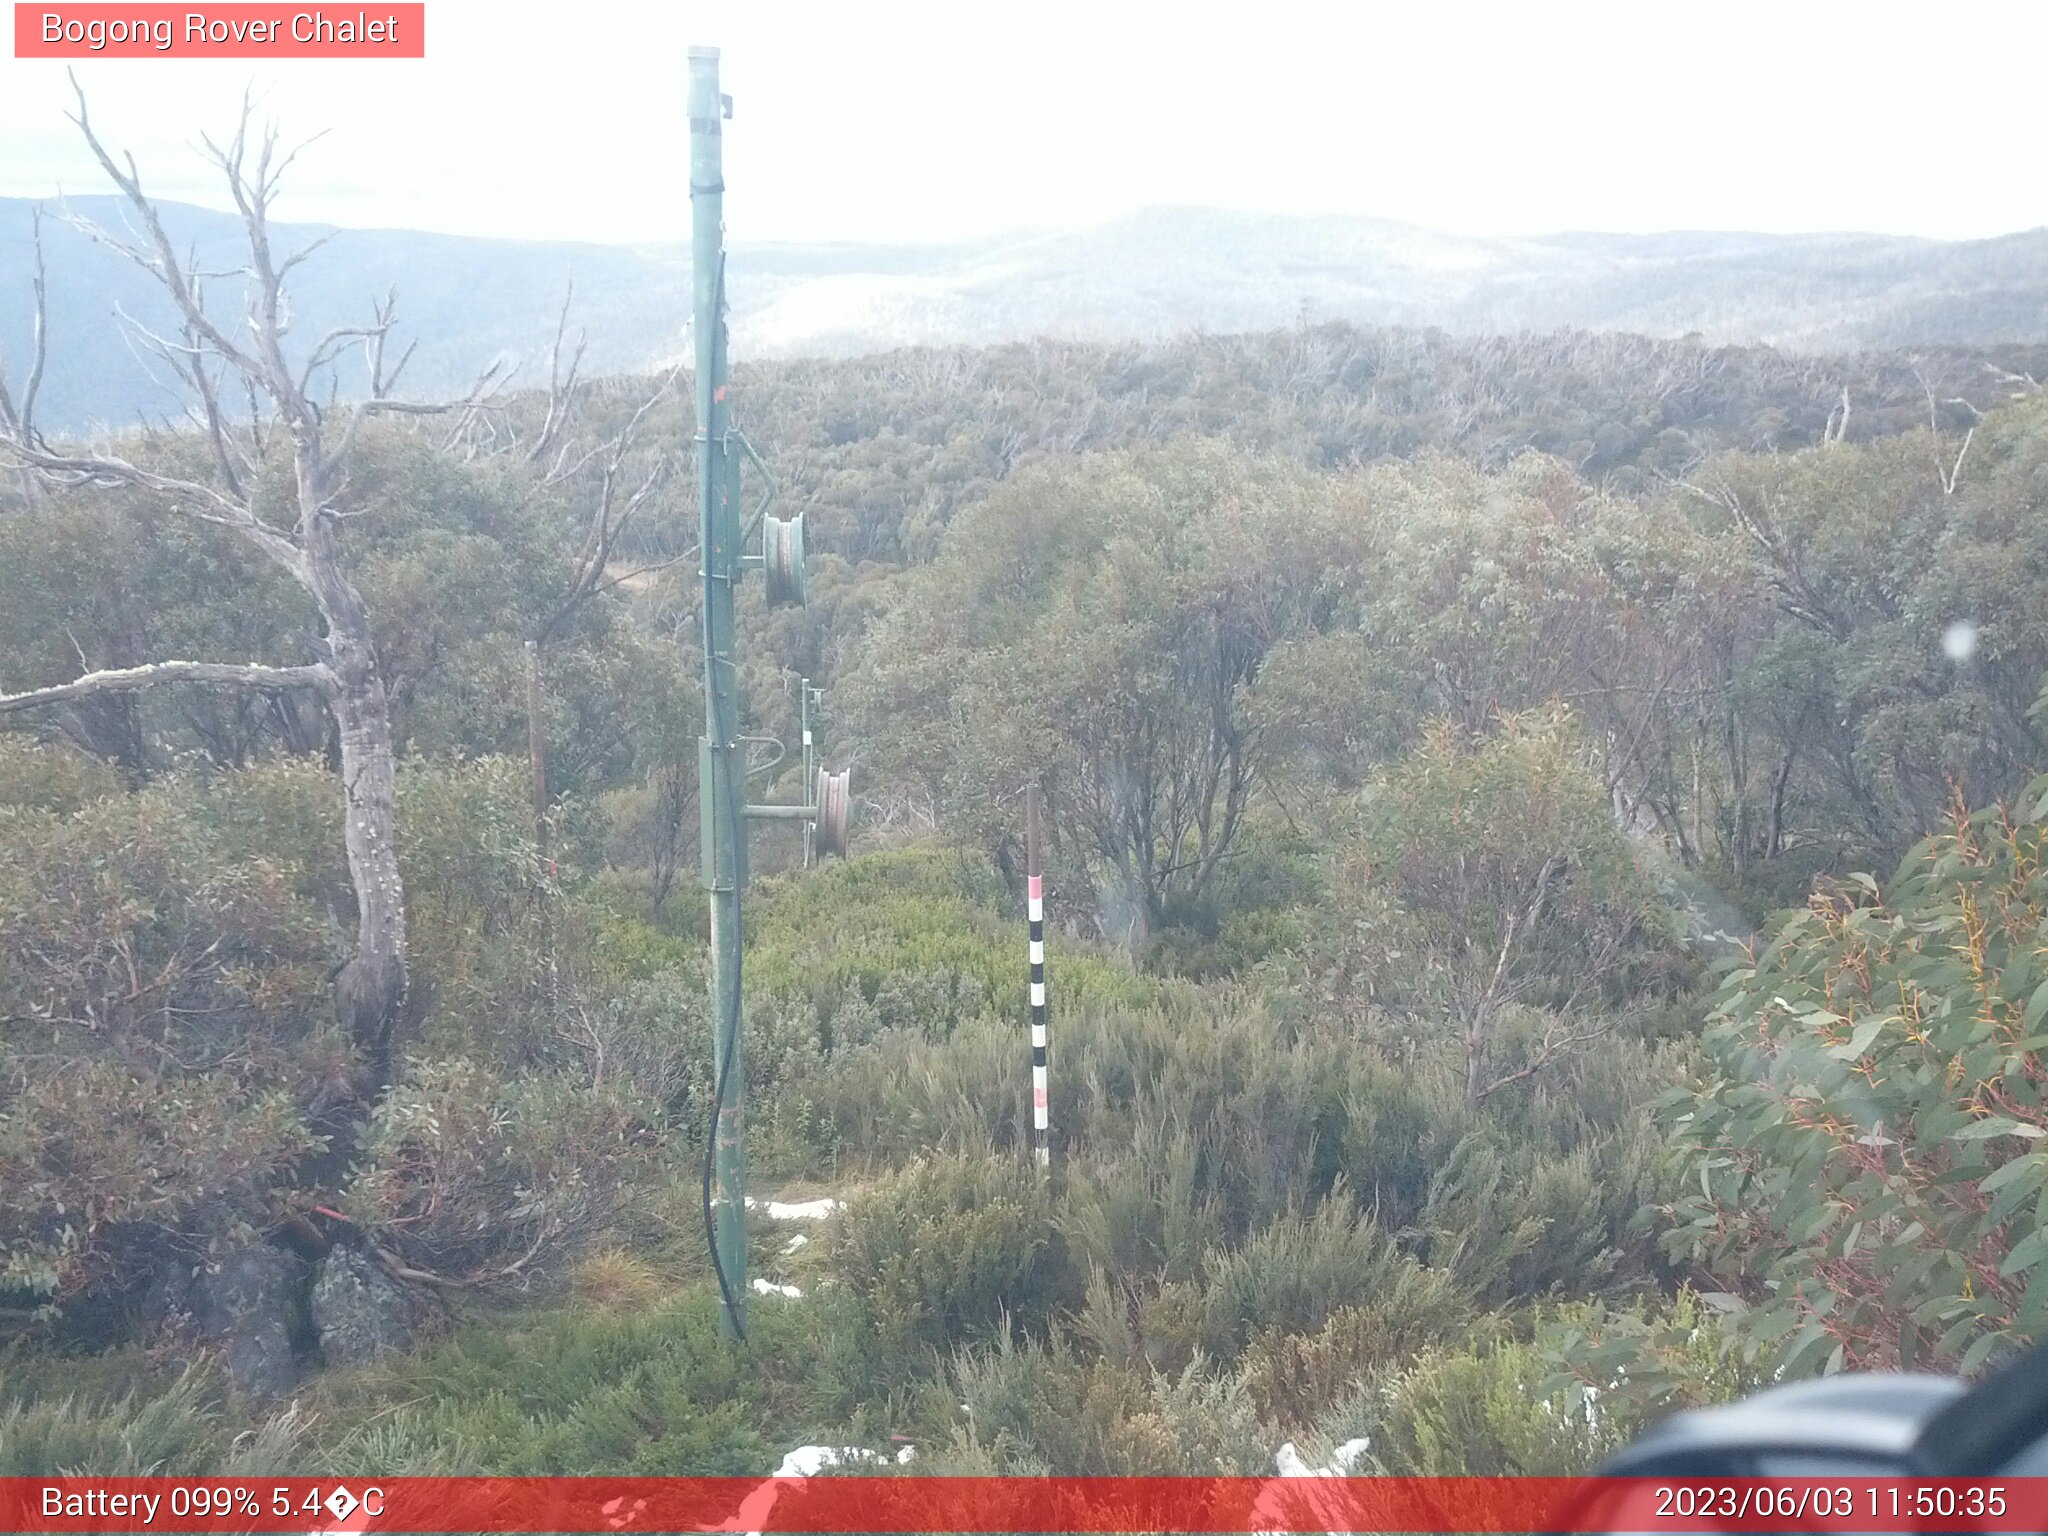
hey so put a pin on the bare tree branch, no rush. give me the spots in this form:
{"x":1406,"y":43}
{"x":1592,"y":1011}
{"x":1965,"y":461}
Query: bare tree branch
{"x":201,"y":501}
{"x":561,"y":385}
{"x":609,"y":519}
{"x":380,"y":404}
{"x":1953,"y":475}
{"x":189,"y":359}
{"x":219,"y":673}
{"x":162,"y":259}
{"x":1556,"y":1045}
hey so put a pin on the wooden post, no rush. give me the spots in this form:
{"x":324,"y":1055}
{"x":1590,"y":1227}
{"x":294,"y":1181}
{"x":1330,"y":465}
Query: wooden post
{"x":1034,"y":911}
{"x":537,"y":746}
{"x":537,"y":751}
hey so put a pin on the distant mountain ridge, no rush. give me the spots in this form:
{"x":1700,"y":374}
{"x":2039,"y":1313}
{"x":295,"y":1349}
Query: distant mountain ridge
{"x":1155,"y":273}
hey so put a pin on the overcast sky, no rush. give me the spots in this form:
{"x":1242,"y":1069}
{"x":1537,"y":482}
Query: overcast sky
{"x":877,"y":121}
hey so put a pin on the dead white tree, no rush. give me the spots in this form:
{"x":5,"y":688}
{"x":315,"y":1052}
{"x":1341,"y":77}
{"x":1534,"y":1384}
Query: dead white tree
{"x":610,"y":510}
{"x":249,"y":356}
{"x":1837,"y":426}
{"x":610,"y":514}
{"x":18,"y":416}
{"x":1949,"y":475}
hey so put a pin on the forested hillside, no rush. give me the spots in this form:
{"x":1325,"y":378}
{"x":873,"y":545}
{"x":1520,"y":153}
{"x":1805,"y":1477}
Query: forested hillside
{"x":1545,"y":870}
{"x":1152,"y":276}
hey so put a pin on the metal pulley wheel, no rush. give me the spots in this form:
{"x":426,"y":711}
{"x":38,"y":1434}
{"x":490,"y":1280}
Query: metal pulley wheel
{"x":782,"y":559}
{"x":835,"y":800}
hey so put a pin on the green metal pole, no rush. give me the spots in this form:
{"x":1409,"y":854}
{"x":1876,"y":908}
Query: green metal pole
{"x":719,"y":770}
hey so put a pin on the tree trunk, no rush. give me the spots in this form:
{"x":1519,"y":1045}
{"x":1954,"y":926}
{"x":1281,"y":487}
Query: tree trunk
{"x":1774,"y":839}
{"x":372,"y":985}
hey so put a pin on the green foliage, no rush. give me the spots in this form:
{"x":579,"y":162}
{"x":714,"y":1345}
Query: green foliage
{"x":1100,"y":628}
{"x":479,"y":896}
{"x":919,"y":935}
{"x":181,"y":1428}
{"x":169,"y":1067}
{"x":648,"y":1392}
{"x":178,"y":1430}
{"x":1293,"y":1276}
{"x":1478,"y":832}
{"x":135,"y":914}
{"x":1259,"y":905}
{"x":1211,"y":1154}
{"x":1485,"y":909}
{"x":1357,"y":758}
{"x":115,"y":579}
{"x":1035,"y":1408}
{"x":1298,"y":1379}
{"x":852,"y":970}
{"x":1639,"y":1363}
{"x":476,"y":1177}
{"x":884,"y":450}
{"x":1876,"y":555}
{"x":163,"y":1061}
{"x":39,"y":777}
{"x":1480,"y":1412}
{"x":103,"y":1172}
{"x":1868,"y":1145}
{"x":949,"y":1249}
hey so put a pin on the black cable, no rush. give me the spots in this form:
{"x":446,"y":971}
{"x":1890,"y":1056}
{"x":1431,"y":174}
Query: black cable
{"x":732,"y":1309}
{"x":726,"y":1068}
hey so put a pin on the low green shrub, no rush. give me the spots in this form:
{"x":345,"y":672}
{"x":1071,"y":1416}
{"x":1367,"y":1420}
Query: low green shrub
{"x":952,"y":1248}
{"x":1293,"y":1275}
{"x":48,"y":776}
{"x":1035,"y":1406}
{"x":1482,"y":1411}
{"x":487,"y":1180}
{"x":182,"y":1428}
{"x":653,"y":1391}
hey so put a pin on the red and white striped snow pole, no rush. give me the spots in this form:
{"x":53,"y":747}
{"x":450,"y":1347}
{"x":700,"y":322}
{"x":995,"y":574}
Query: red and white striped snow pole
{"x":1034,"y":911}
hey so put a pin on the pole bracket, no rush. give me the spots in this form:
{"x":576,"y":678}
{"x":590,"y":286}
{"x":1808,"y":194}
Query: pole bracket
{"x":783,"y":812}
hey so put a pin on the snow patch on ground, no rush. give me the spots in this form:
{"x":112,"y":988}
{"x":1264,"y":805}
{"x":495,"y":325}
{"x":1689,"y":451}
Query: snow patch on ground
{"x":804,"y":1461}
{"x":1276,"y":1511}
{"x":810,"y":1460}
{"x":1289,"y":1463}
{"x":796,"y":1210}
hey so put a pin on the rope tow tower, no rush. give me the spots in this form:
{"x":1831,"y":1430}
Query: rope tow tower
{"x":728,"y":549}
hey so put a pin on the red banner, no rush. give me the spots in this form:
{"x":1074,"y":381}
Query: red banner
{"x":882,"y":1504}
{"x":233,"y":31}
